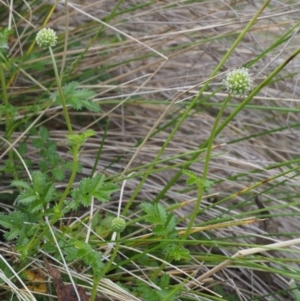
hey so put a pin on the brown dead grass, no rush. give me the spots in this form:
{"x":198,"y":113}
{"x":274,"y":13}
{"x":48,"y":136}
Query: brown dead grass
{"x":170,"y":47}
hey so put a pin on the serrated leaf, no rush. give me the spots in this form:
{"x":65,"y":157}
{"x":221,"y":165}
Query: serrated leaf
{"x":20,"y":184}
{"x":179,"y":253}
{"x":38,"y":143}
{"x":85,"y":252}
{"x":191,"y":181}
{"x":93,"y":187}
{"x":58,"y":174}
{"x":53,"y":158}
{"x":38,"y":180}
{"x":48,"y":192}
{"x":159,"y":230}
{"x":27,"y":197}
{"x":199,"y":182}
{"x":71,"y":254}
{"x":76,"y":195}
{"x":6,"y":221}
{"x":22,"y":149}
{"x":12,"y":234}
{"x":170,"y":223}
{"x":164,"y":293}
{"x":77,"y":98}
{"x":91,"y":106}
{"x":156,"y":213}
{"x":103,"y":193}
{"x":207,"y":185}
{"x":51,"y":147}
{"x":14,"y":222}
{"x":89,"y":133}
{"x":44,"y":133}
{"x":79,"y":139}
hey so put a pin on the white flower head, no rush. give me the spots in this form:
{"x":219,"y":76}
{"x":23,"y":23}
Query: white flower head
{"x":238,"y":82}
{"x":46,"y":37}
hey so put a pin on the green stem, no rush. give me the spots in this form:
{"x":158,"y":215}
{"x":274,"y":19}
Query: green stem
{"x":194,"y":102}
{"x":104,"y":271}
{"x":60,"y":92}
{"x":8,"y":120}
{"x":206,"y":168}
{"x":5,"y":99}
{"x":158,"y":271}
{"x":113,"y":256}
{"x":34,"y":241}
{"x":94,"y":289}
{"x":75,"y":152}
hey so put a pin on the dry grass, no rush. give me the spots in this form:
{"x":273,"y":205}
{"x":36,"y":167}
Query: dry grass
{"x":142,"y":60}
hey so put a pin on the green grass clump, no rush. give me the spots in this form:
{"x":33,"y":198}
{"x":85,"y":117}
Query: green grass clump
{"x":150,"y":151}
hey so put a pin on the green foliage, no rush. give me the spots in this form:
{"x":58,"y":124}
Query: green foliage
{"x":34,"y":202}
{"x":14,"y":222}
{"x":57,"y":187}
{"x":92,"y":187}
{"x":295,"y":289}
{"x":194,"y":179}
{"x":4,"y":34}
{"x":37,"y":194}
{"x":150,"y":294}
{"x":164,"y":222}
{"x":176,"y":252}
{"x":8,"y":109}
{"x":79,"y":139}
{"x":81,"y":250}
{"x":164,"y":226}
{"x":77,"y":98}
{"x":50,"y":159}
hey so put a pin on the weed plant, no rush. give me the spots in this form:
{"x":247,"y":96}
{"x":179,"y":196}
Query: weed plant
{"x":150,"y":150}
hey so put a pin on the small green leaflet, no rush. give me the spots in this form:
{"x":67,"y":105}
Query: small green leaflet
{"x":199,"y":182}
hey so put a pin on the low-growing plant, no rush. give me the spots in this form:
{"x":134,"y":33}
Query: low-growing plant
{"x":194,"y":222}
{"x":40,"y":204}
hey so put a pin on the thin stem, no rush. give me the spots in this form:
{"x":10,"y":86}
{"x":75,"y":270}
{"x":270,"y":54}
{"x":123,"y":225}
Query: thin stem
{"x":5,"y":99}
{"x":194,"y":102}
{"x":206,"y":168}
{"x":113,"y":256}
{"x":75,"y":152}
{"x":94,"y":289}
{"x":60,"y":92}
{"x":104,"y":271}
{"x":8,"y":120}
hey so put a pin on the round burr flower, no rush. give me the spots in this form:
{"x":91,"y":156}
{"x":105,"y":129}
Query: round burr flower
{"x":46,"y":37}
{"x":118,"y":224}
{"x":238,"y":82}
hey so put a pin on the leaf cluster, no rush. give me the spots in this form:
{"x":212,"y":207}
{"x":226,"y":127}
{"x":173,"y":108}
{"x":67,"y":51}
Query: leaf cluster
{"x":164,"y":222}
{"x":92,"y":188}
{"x":35,"y":202}
{"x":50,"y":160}
{"x":81,"y":250}
{"x":165,"y":226}
{"x":78,"y":139}
{"x":150,"y":294}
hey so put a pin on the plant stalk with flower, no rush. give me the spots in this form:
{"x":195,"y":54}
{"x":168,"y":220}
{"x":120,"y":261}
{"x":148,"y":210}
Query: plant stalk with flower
{"x":238,"y":83}
{"x":47,"y":38}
